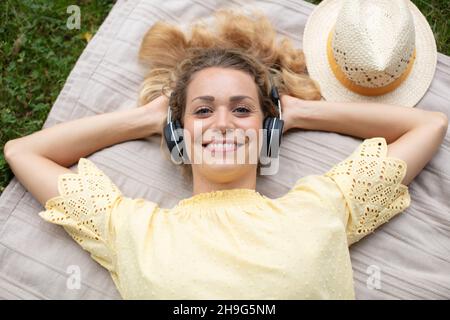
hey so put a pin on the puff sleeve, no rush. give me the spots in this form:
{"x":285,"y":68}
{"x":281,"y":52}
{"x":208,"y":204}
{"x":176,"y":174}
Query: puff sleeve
{"x":85,"y":208}
{"x":370,"y":184}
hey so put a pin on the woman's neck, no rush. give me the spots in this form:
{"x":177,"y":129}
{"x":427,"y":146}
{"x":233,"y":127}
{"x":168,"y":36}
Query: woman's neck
{"x":202,"y":184}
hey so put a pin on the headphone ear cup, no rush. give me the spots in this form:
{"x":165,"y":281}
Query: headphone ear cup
{"x":173,"y":135}
{"x":178,"y":133}
{"x":267,"y":125}
{"x":276,"y":137}
{"x":168,"y":137}
{"x":273,"y":127}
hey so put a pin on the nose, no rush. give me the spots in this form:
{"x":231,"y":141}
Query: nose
{"x":223,"y":119}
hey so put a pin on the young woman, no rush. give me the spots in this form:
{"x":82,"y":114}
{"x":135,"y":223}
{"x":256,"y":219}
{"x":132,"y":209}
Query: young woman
{"x":228,"y":241}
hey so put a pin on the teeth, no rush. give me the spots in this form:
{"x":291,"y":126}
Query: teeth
{"x":222,"y":146}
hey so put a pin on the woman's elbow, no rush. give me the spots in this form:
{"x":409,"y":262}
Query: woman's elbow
{"x":10,"y":150}
{"x":440,"y":120}
{"x":15,"y":148}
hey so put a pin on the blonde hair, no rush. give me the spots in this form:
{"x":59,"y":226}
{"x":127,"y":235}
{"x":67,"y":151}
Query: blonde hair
{"x":238,"y":42}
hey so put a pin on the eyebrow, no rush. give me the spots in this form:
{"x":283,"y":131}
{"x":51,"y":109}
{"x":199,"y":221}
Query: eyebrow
{"x":232,"y":99}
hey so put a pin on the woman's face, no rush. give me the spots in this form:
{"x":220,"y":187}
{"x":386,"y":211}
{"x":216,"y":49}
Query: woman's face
{"x":223,"y":122}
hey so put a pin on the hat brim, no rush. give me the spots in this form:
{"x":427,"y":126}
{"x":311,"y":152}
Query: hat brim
{"x":410,"y":91}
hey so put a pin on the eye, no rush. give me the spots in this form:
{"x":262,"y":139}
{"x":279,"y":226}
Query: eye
{"x":242,"y":110}
{"x":202,"y":111}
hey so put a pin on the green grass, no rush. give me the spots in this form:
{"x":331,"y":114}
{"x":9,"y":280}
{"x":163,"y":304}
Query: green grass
{"x":37,"y":52}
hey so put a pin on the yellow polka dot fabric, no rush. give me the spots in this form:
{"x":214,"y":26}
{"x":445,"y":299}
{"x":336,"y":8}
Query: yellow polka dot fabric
{"x":235,"y":244}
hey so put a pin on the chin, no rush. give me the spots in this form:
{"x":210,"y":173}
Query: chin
{"x":223,"y":167}
{"x":223,"y":172}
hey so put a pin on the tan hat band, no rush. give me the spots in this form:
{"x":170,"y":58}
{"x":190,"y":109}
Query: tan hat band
{"x":359,"y":89}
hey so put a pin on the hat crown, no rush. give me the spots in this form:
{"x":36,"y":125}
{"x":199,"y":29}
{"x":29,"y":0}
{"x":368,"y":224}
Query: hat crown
{"x":373,"y":41}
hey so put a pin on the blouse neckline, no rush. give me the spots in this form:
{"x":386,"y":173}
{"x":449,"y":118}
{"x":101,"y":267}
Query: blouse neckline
{"x":240,"y":196}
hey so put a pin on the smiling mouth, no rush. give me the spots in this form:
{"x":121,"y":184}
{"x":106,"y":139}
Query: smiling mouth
{"x":222,"y":147}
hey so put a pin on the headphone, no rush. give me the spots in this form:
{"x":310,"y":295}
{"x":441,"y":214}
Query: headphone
{"x":173,"y":134}
{"x":272,"y":131}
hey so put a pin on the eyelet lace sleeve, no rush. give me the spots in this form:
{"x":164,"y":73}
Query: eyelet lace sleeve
{"x":370,"y":182}
{"x":84,"y":208}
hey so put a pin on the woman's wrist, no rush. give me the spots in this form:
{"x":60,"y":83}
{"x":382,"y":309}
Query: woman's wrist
{"x":137,"y":124}
{"x":297,"y":112}
{"x":154,"y":116}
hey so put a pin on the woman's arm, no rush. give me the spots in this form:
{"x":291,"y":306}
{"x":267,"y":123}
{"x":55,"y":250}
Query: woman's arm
{"x":413,"y":135}
{"x":38,"y":159}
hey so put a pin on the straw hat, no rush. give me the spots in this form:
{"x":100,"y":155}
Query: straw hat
{"x":370,"y":50}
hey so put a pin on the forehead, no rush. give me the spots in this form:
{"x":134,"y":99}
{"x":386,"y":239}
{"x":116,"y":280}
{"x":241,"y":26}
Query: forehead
{"x":221,"y":83}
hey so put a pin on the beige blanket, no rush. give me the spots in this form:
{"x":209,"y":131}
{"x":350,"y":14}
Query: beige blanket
{"x":37,"y":259}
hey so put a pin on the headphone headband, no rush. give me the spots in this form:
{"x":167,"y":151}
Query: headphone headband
{"x":274,"y":95}
{"x":169,"y":109}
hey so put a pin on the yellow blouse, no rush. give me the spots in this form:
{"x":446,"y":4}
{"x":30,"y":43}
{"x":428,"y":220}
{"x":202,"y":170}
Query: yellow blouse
{"x":235,"y":244}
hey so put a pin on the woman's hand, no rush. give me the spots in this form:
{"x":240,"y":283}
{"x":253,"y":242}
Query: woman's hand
{"x":156,"y":111}
{"x":291,"y":108}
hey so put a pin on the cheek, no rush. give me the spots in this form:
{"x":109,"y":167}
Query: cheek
{"x":253,"y":123}
{"x":193,"y":133}
{"x":191,"y":129}
{"x":250,"y":123}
